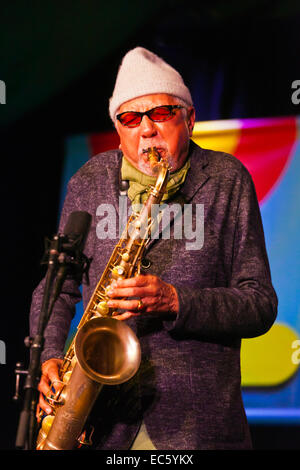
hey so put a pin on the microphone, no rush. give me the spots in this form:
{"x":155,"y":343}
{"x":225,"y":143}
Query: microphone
{"x":76,"y":231}
{"x":71,"y":258}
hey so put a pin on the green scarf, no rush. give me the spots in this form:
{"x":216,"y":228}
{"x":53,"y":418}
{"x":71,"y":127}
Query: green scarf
{"x":139,"y":183}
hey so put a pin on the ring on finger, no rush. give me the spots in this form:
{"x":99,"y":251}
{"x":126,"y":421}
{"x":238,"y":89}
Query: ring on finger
{"x":140,"y":305}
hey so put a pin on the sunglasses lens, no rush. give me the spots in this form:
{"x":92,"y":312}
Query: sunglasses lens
{"x":161,"y":113}
{"x":158,"y":114}
{"x":130,"y":119}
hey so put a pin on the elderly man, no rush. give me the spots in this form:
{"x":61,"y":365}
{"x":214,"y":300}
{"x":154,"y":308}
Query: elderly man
{"x":197,"y":303}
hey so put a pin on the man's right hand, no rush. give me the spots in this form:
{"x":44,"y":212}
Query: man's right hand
{"x":50,"y":374}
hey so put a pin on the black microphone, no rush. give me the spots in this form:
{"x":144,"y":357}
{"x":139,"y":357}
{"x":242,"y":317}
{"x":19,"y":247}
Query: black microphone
{"x":76,"y":231}
{"x":71,"y":258}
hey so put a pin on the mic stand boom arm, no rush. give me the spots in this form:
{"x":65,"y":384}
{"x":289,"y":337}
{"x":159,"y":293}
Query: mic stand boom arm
{"x":64,"y":256}
{"x":27,"y":421}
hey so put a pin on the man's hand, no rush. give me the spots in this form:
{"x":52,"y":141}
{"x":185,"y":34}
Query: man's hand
{"x":144,"y":294}
{"x":50,"y":374}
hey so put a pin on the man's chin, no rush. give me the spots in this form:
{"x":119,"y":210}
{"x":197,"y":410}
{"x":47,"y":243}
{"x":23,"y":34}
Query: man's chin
{"x":146,"y":169}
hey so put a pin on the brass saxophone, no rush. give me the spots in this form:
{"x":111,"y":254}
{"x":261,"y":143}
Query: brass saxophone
{"x":104,"y":351}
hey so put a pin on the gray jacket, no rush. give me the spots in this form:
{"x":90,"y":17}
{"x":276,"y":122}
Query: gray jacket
{"x":187,"y":389}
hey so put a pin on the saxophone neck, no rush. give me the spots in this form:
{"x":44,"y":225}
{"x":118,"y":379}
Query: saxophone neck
{"x":161,"y":169}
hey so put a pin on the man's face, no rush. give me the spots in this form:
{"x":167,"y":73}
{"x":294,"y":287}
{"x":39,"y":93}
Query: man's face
{"x":170,"y":137}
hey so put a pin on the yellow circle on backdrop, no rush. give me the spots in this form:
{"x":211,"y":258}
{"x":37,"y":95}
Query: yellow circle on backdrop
{"x":220,"y":135}
{"x":270,"y":359}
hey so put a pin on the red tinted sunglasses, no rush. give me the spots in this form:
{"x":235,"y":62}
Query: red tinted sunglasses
{"x":158,"y":114}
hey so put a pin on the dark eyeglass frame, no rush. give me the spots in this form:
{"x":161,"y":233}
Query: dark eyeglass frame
{"x":170,"y":107}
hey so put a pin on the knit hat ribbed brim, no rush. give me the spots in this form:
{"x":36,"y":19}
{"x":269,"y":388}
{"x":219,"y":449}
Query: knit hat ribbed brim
{"x":144,"y":73}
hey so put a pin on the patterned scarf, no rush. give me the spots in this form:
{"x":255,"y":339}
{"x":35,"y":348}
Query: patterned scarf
{"x":139,"y":182}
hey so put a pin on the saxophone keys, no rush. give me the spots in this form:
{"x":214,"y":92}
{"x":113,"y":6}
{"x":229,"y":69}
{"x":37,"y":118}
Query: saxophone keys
{"x":102,"y":308}
{"x":47,"y":423}
{"x":43,"y":432}
{"x":108,"y":288}
{"x":125,"y":256}
{"x":68,"y":374}
{"x":117,"y":272}
{"x":73,"y":363}
{"x":57,"y":398}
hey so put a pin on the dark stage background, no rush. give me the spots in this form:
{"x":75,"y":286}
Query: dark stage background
{"x":59,"y":61}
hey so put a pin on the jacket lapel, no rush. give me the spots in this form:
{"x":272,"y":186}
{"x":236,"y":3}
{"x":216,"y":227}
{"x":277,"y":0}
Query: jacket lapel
{"x":197,"y":176}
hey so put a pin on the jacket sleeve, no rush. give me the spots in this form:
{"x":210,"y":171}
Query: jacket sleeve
{"x":247,"y":306}
{"x":57,"y":329}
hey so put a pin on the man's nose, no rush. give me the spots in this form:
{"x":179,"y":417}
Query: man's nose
{"x":147,"y":127}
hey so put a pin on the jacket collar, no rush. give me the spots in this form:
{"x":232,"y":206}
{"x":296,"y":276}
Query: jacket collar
{"x":197,"y":174}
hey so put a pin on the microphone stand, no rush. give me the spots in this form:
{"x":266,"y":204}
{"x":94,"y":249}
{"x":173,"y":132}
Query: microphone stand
{"x":59,"y":264}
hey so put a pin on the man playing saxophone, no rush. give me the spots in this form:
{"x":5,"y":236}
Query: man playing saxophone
{"x":190,"y":308}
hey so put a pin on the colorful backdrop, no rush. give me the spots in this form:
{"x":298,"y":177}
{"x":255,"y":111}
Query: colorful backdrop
{"x":270,"y":149}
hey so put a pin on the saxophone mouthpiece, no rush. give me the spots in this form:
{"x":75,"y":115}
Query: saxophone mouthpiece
{"x":153,"y":156}
{"x":156,"y":159}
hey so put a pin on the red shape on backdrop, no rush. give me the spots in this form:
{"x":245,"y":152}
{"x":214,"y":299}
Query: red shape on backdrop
{"x":265,"y":146}
{"x":101,"y":142}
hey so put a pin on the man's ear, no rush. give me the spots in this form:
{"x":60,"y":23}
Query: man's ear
{"x":191,"y":117}
{"x":116,"y":127}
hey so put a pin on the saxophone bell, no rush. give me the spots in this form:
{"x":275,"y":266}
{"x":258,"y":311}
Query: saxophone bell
{"x":107,"y":350}
{"x":107,"y":353}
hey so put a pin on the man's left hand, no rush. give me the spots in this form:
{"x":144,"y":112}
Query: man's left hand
{"x":141,"y":295}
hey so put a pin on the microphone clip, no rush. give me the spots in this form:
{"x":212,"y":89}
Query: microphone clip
{"x":64,"y":252}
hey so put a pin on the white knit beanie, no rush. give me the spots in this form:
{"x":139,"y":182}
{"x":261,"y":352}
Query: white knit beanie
{"x":144,"y":73}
